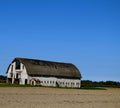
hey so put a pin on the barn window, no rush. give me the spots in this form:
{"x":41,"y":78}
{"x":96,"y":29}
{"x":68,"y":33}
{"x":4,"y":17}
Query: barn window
{"x":72,"y":84}
{"x":17,"y":65}
{"x":12,"y":68}
{"x":47,"y":81}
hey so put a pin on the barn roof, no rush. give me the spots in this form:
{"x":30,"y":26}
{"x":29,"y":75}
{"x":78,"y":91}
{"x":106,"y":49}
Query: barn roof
{"x":48,"y":68}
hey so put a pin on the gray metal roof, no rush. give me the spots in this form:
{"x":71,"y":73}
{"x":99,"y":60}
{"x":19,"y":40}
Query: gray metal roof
{"x":47,"y":68}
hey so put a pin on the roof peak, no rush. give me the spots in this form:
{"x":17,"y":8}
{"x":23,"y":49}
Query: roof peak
{"x":42,"y":60}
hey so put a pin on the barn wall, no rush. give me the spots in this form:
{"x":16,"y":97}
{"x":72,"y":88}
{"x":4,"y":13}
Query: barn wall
{"x":11,"y":72}
{"x":24,"y":75}
{"x":17,"y":76}
{"x":52,"y":81}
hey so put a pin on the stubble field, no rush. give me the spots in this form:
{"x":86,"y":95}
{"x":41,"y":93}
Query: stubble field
{"x":39,"y":97}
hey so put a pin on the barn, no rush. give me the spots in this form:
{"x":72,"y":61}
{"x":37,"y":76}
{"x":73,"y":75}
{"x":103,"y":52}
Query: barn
{"x":44,"y":73}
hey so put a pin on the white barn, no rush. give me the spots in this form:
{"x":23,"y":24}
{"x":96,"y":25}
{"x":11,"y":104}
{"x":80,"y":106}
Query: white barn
{"x":45,"y":73}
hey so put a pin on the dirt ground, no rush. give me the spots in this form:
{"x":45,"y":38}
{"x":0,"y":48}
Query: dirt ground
{"x":29,"y":97}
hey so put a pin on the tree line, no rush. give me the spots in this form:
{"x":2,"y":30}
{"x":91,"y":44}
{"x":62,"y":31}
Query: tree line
{"x":89,"y":83}
{"x":3,"y":79}
{"x":84,"y":83}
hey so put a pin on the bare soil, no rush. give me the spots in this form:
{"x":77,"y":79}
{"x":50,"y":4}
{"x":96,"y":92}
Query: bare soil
{"x":38,"y":97}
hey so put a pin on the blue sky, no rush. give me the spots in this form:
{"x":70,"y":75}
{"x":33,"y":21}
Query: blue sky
{"x":83,"y":32}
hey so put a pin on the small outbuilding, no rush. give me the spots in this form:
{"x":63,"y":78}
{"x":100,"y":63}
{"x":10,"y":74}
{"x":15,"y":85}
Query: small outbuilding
{"x":45,"y":73}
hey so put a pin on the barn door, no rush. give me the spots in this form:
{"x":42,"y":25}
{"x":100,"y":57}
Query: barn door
{"x":26,"y":81}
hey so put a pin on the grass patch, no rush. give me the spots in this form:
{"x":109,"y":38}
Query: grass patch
{"x":13,"y":85}
{"x":93,"y":88}
{"x":82,"y":88}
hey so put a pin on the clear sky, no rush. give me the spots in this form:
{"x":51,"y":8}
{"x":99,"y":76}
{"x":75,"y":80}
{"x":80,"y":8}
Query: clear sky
{"x":83,"y":32}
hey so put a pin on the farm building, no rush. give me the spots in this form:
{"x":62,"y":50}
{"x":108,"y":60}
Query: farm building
{"x":45,"y":73}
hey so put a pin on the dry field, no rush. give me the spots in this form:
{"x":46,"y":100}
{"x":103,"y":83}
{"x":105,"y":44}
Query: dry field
{"x":29,"y":97}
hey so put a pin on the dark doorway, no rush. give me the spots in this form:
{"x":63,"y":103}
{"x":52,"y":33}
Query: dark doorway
{"x":17,"y":75}
{"x":25,"y":81}
{"x":9,"y":80}
{"x":17,"y":81}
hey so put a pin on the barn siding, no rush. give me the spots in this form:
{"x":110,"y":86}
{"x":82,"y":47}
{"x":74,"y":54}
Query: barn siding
{"x":53,"y":81}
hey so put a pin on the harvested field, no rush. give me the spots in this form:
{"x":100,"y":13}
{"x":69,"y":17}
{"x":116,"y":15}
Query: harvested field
{"x":28,"y":97}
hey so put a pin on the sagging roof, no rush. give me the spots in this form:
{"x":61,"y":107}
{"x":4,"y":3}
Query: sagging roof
{"x":48,"y":68}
